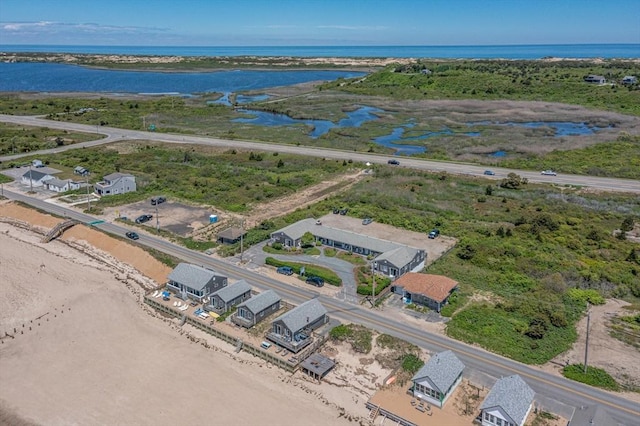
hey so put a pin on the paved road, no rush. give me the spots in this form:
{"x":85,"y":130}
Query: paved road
{"x":114,"y":134}
{"x":547,"y":386}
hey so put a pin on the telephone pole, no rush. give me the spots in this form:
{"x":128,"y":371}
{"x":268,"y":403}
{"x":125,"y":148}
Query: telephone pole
{"x":88,"y":196}
{"x":586,"y":344}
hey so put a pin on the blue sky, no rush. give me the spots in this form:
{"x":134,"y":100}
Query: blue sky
{"x":318,"y":22}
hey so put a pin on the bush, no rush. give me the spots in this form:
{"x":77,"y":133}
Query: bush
{"x":594,"y":376}
{"x":326,"y":274}
{"x":582,"y":296}
{"x":411,"y":363}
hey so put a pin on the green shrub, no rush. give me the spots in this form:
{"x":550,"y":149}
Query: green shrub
{"x":411,"y":363}
{"x":583,"y":296}
{"x":594,"y":376}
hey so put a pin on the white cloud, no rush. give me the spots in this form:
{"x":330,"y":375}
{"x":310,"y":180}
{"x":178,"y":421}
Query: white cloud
{"x":353,"y":27}
{"x":45,"y":27}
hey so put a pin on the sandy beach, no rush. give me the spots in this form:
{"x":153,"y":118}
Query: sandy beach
{"x":84,"y":349}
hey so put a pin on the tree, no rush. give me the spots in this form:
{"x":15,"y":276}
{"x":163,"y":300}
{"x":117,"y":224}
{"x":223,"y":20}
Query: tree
{"x":307,"y":239}
{"x":513,"y":181}
{"x":488,"y":190}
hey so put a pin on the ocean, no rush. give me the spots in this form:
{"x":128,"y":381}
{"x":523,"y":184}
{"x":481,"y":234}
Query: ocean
{"x":537,"y":51}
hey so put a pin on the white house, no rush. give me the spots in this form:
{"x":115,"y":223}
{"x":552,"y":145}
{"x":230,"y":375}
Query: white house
{"x":58,"y":185}
{"x":508,"y":403}
{"x":629,"y":79}
{"x":595,"y":79}
{"x":35,"y":178}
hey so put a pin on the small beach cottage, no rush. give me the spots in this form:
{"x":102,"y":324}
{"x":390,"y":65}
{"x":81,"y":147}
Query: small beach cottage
{"x":293,"y":329}
{"x":195,"y":282}
{"x":228,"y":297}
{"x":432,"y":291}
{"x":508,"y":403}
{"x":254,"y":310}
{"x":438,"y":378}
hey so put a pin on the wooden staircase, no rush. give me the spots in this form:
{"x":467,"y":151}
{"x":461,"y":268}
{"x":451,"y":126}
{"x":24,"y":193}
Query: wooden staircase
{"x":57,"y":230}
{"x":374,"y":413}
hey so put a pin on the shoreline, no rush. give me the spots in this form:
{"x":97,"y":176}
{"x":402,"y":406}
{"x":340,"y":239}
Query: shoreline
{"x":206,"y":64}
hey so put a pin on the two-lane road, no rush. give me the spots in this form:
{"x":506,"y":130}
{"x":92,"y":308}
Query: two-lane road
{"x":114,"y":134}
{"x":551,"y":387}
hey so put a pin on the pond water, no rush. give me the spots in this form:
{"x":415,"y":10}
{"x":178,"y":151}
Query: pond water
{"x":240,"y":99}
{"x":562,"y":128}
{"x":320,"y":127}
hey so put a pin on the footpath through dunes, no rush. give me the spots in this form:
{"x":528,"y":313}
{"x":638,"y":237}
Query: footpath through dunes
{"x":86,"y":350}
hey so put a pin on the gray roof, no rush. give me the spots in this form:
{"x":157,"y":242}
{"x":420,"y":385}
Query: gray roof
{"x":232,"y":233}
{"x":193,"y":276}
{"x":114,"y":176}
{"x":442,"y":369}
{"x":232,"y":291}
{"x":57,"y":182}
{"x":35,"y":175}
{"x":298,"y":229}
{"x":261,"y":302}
{"x":513,"y":395}
{"x":297,"y":318}
{"x":398,"y":257}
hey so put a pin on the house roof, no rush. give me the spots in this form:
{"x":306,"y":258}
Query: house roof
{"x":318,"y":364}
{"x":35,"y":175}
{"x":117,"y":175}
{"x":261,"y":301}
{"x":193,"y":276}
{"x":435,"y":287}
{"x":443,"y":369}
{"x":399,"y":256}
{"x":513,"y":395}
{"x":232,"y":291}
{"x":297,"y":318}
{"x":298,"y":229}
{"x":232,"y":233}
{"x":57,"y":182}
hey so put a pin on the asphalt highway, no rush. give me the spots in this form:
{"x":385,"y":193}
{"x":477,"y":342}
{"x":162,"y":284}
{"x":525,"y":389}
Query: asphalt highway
{"x":114,"y":134}
{"x":553,"y":391}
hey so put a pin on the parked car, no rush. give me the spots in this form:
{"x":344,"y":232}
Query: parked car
{"x":316,"y":281}
{"x":132,"y":235}
{"x":285,"y":270}
{"x":157,"y":200}
{"x":367,"y":220}
{"x":548,"y":173}
{"x":343,"y":211}
{"x":434,"y":233}
{"x":144,"y":218}
{"x":336,"y":211}
{"x":489,"y":172}
{"x":393,"y":162}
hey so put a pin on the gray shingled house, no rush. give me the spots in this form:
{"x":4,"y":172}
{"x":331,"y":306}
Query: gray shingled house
{"x":438,"y":378}
{"x":292,"y":330}
{"x":195,"y":282}
{"x":391,"y":259}
{"x":116,"y":183}
{"x":228,"y":297}
{"x":256,"y":309}
{"x":508,"y":403}
{"x":59,"y":185}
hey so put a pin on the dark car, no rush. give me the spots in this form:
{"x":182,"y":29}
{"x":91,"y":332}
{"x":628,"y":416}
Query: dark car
{"x":343,"y":211}
{"x":285,"y":270}
{"x":336,"y":211}
{"x":434,"y":233}
{"x":393,"y":162}
{"x":132,"y":235}
{"x":144,"y":218}
{"x":489,"y":172}
{"x":157,"y":200}
{"x":316,"y":281}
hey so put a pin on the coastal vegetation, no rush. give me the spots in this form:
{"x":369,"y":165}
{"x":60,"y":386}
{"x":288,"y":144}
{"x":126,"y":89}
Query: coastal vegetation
{"x":593,"y":376}
{"x":522,"y":80}
{"x":16,"y":139}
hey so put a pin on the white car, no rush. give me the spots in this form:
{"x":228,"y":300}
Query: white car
{"x":548,"y":173}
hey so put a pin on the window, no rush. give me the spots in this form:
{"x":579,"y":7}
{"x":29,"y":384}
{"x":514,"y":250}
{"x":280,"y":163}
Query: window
{"x":498,"y":422}
{"x":486,"y":416}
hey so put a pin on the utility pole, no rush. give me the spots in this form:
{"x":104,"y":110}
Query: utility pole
{"x":88,"y":197}
{"x":241,"y":240}
{"x":30,"y":179}
{"x":157,"y":220}
{"x":586,"y":344}
{"x":373,"y":284}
